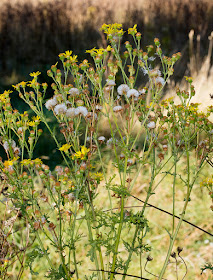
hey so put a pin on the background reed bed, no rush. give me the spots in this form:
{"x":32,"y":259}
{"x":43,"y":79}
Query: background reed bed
{"x":33,"y":32}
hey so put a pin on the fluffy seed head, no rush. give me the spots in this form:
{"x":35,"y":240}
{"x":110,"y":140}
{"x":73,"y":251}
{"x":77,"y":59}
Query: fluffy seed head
{"x":74,"y":92}
{"x":110,"y":82}
{"x":60,"y":109}
{"x":101,"y":139}
{"x":51,"y":103}
{"x":117,"y":109}
{"x":132,"y":92}
{"x":122,"y":89}
{"x":70,"y":113}
{"x":91,"y":116}
{"x":98,"y":107}
{"x":151,"y":125}
{"x":160,"y":80}
{"x":81,"y":110}
{"x":7,"y":145}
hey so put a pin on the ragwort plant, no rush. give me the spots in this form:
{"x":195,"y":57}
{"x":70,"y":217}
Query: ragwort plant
{"x":58,"y":203}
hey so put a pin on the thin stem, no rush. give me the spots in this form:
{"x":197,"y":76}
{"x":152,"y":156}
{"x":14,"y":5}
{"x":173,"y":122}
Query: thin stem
{"x":173,"y":237}
{"x":117,"y":239}
{"x":91,"y":237}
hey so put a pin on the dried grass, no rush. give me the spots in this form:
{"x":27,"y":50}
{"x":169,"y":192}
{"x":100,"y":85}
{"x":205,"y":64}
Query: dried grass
{"x":33,"y":32}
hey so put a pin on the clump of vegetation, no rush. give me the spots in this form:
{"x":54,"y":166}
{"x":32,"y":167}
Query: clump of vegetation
{"x":61,"y":208}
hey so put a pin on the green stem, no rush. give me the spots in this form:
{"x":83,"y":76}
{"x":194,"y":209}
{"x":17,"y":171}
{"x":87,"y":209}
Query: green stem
{"x":149,"y":193}
{"x":91,"y":238}
{"x":172,"y":241}
{"x":117,"y":240}
{"x":173,"y":237}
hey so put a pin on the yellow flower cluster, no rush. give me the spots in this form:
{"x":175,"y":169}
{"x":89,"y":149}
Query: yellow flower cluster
{"x":208,"y":182}
{"x":4,"y":96}
{"x":111,"y":30}
{"x":21,"y":84}
{"x":35,"y":121}
{"x":26,"y":162}
{"x":65,"y":148}
{"x":133,"y":30}
{"x":81,"y":154}
{"x":68,"y":56}
{"x":35,"y":74}
{"x":97,"y":176}
{"x":9,"y":163}
{"x":100,"y":51}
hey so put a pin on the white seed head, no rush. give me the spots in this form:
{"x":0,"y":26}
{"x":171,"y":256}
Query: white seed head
{"x":20,"y":130}
{"x":160,"y":80}
{"x":110,"y":142}
{"x":142,"y":91}
{"x":98,"y":107}
{"x":60,"y":109}
{"x":123,"y":89}
{"x":129,"y":162}
{"x":151,"y":125}
{"x":155,"y":73}
{"x":81,"y":110}
{"x":117,"y":109}
{"x":70,"y":113}
{"x":71,"y":197}
{"x":74,"y":92}
{"x":51,"y":103}
{"x":91,"y":116}
{"x":165,"y":147}
{"x":101,"y":138}
{"x":132,"y":92}
{"x":110,"y":82}
{"x":8,"y":144}
{"x":88,"y":139}
{"x":17,"y":151}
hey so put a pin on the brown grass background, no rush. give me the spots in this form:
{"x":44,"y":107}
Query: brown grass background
{"x":34,"y":32}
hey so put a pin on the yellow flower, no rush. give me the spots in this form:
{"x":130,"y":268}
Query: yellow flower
{"x":37,"y":161}
{"x":7,"y":92}
{"x":22,"y":84}
{"x":65,"y":148}
{"x":109,"y":48}
{"x":3,"y":98}
{"x":112,"y":29}
{"x":34,"y":122}
{"x":9,"y":163}
{"x":67,"y":54}
{"x":31,"y":161}
{"x":36,"y":119}
{"x":96,"y":51}
{"x":81,"y":154}
{"x":93,"y":50}
{"x":25,"y":114}
{"x":26,"y":161}
{"x":100,"y":51}
{"x":113,"y":26}
{"x":133,"y":30}
{"x":33,"y":83}
{"x":31,"y":123}
{"x":97,"y":176}
{"x":73,"y":58}
{"x":35,"y":74}
{"x":16,"y":87}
